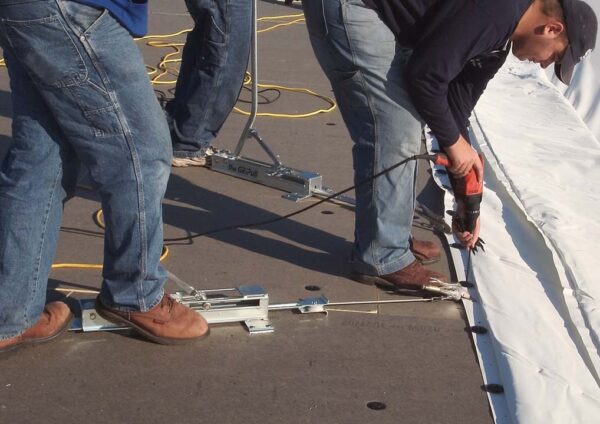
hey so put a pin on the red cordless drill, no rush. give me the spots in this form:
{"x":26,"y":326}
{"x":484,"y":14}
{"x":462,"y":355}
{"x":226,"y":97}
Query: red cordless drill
{"x":466,"y":189}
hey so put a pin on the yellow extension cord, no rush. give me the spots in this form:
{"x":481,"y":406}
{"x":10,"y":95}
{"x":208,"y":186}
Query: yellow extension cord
{"x":157,"y":74}
{"x":163,"y":69}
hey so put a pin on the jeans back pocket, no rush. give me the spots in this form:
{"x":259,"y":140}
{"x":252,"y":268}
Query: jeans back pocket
{"x":45,"y":48}
{"x":316,"y":20}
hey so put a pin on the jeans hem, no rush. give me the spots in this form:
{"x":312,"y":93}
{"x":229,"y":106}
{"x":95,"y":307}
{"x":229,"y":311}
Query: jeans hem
{"x":156,"y":301}
{"x":384,"y":269}
{"x":3,"y":338}
{"x":128,"y":309}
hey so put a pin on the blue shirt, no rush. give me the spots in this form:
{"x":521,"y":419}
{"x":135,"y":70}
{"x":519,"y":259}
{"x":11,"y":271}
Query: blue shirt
{"x":132,"y":14}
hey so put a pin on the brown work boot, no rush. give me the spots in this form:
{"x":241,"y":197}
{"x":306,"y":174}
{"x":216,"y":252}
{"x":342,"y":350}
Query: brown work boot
{"x":426,"y":252}
{"x":169,"y":322}
{"x":55,"y":320}
{"x":413,"y":277}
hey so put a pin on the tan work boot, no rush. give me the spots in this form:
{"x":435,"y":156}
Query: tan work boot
{"x":413,"y":277}
{"x":169,"y":322}
{"x":55,"y":320}
{"x":201,"y":160}
{"x":425,"y":252}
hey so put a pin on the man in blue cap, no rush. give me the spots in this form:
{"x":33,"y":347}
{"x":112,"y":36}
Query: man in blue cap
{"x":395,"y":65}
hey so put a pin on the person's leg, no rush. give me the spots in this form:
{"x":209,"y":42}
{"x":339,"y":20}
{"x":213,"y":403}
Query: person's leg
{"x":35,"y":177}
{"x":214,"y":61}
{"x":123,"y":139}
{"x":93,"y":79}
{"x":361,"y":59}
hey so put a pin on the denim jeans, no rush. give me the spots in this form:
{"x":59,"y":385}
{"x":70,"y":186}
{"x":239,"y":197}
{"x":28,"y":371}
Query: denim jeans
{"x":214,"y":61}
{"x":366,"y":69}
{"x":80,"y":94}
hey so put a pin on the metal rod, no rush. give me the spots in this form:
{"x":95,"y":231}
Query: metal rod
{"x":266,"y":148}
{"x":185,"y":286}
{"x":288,"y":306}
{"x":254,"y":82}
{"x":382,"y":302}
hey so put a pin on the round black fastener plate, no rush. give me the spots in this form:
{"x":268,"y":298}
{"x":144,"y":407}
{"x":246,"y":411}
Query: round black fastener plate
{"x":493,"y":388}
{"x":312,"y":288}
{"x":376,"y":406}
{"x":327,"y":212}
{"x":478,"y":329}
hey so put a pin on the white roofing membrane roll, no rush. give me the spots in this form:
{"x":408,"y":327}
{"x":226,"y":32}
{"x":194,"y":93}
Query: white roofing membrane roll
{"x":537,"y":290}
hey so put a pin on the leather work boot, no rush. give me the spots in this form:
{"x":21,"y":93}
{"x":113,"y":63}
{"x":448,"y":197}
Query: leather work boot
{"x":169,"y":322}
{"x":55,"y":320}
{"x":412,"y":277}
{"x":426,"y":252}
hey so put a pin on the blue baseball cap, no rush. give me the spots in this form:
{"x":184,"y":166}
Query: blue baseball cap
{"x":582,"y":25}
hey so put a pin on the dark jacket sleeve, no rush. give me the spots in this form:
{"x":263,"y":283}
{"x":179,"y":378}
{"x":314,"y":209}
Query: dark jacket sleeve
{"x":441,"y":86}
{"x":464,"y":90}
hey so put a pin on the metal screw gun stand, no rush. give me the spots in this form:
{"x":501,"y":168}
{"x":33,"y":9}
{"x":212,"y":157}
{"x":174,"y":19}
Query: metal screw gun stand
{"x":299,"y":184}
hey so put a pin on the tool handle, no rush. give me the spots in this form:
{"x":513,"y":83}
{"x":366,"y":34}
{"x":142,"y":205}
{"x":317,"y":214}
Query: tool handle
{"x":441,"y":159}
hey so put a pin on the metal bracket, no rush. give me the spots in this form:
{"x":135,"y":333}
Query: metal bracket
{"x":247,"y":304}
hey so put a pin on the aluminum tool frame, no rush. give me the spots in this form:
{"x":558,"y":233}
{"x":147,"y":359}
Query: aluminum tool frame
{"x":247,"y":304}
{"x":299,"y":184}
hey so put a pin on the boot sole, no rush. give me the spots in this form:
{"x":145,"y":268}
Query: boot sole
{"x":118,"y":319}
{"x":30,"y":342}
{"x":429,"y":261}
{"x":374,"y":280}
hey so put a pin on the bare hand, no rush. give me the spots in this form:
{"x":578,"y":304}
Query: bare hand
{"x":462,"y":158}
{"x":466,"y":238}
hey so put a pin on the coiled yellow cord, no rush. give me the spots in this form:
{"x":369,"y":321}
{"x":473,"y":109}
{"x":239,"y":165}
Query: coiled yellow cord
{"x":162,"y":69}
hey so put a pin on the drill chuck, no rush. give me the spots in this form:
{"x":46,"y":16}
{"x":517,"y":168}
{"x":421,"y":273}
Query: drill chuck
{"x":472,"y":204}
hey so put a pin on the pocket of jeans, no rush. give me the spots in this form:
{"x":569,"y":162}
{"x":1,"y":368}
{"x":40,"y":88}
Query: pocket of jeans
{"x":350,"y":89}
{"x":47,"y":51}
{"x":217,"y":27}
{"x":211,"y":17}
{"x":316,"y":22}
{"x":104,"y":122}
{"x":81,"y":17}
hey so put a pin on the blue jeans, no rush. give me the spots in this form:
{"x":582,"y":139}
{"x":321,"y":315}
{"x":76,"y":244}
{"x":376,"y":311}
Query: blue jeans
{"x":214,"y":61}
{"x":80,"y":94}
{"x":366,"y":69}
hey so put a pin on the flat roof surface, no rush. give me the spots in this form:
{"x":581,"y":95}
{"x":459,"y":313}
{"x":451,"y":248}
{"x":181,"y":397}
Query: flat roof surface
{"x":416,"y":358}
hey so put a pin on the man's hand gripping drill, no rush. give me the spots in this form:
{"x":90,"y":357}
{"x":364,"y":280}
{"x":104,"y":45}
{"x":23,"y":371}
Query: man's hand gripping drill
{"x":468,"y":190}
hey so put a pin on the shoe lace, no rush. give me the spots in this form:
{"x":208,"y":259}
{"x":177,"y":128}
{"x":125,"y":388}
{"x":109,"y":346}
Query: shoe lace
{"x":167,"y":302}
